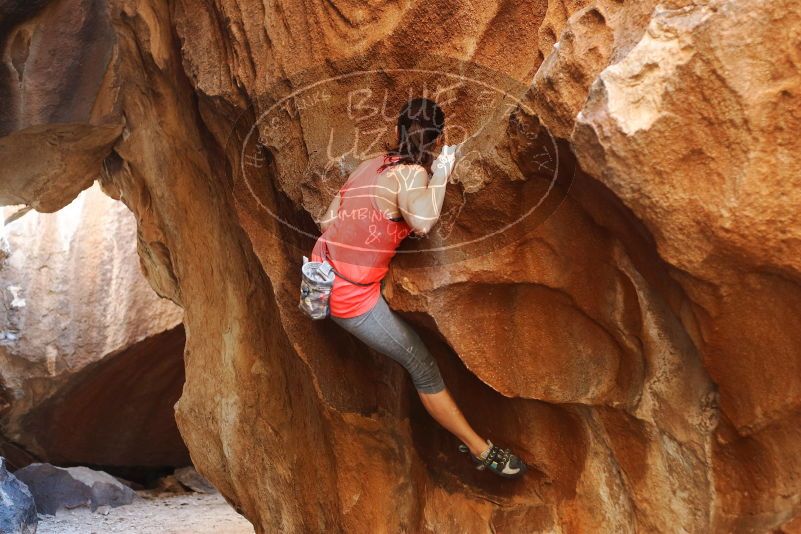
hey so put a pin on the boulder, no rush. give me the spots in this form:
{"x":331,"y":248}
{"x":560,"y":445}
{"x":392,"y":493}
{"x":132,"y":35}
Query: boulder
{"x":17,"y":511}
{"x":169,"y":484}
{"x":59,"y":488}
{"x":612,"y":290}
{"x":193,"y":480}
{"x":91,"y":359}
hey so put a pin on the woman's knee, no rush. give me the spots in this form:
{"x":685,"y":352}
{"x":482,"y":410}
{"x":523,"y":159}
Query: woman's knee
{"x":430,"y":382}
{"x":402,"y":343}
{"x":425,"y":374}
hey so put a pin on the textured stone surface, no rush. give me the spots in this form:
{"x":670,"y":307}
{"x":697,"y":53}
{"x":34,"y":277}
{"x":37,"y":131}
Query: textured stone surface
{"x":91,"y":359}
{"x":193,"y":480}
{"x":58,"y":488}
{"x":636,"y":340}
{"x":18,"y":511}
{"x":717,"y":186}
{"x":56,"y":119}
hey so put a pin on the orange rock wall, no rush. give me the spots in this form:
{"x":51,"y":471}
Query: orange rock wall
{"x":635,"y":339}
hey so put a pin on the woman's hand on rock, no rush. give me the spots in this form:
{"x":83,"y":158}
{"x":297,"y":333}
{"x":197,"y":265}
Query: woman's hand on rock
{"x":443,"y":165}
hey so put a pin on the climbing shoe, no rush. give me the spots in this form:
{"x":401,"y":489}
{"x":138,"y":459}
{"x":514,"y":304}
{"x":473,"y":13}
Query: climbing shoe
{"x":500,"y":461}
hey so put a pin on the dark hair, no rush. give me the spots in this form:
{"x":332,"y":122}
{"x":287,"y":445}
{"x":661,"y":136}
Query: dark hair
{"x":420,"y":122}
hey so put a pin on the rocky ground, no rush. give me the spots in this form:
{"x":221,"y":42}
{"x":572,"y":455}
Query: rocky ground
{"x":156,"y":513}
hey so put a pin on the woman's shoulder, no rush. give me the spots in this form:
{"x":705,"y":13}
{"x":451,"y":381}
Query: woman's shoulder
{"x":402,"y":166}
{"x":408,"y":170}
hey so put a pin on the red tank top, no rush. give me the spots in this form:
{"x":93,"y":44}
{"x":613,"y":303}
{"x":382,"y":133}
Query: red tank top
{"x":360,"y":242}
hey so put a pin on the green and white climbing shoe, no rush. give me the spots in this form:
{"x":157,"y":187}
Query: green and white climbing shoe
{"x":500,"y":461}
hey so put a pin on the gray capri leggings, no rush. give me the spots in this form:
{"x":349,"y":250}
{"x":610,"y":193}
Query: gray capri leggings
{"x":383,"y":330}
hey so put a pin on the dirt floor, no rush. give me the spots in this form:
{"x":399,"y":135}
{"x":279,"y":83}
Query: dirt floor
{"x":166,"y":513}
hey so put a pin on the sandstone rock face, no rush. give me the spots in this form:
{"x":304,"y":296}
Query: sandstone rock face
{"x":193,"y":480}
{"x":692,"y":129}
{"x":56,"y":118}
{"x":91,"y":356}
{"x":625,"y":317}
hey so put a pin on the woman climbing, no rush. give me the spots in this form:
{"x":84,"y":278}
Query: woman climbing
{"x":384,"y":200}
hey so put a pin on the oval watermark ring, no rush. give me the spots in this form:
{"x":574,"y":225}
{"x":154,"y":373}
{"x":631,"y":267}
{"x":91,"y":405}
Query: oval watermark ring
{"x":512,"y":97}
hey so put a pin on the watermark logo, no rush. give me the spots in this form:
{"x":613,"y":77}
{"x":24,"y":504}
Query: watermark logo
{"x":328,"y":134}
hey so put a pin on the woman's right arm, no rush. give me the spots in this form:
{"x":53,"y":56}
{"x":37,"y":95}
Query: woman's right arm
{"x":420,"y":198}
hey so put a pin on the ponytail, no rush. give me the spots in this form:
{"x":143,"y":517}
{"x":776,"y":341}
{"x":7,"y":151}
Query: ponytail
{"x":420,"y":122}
